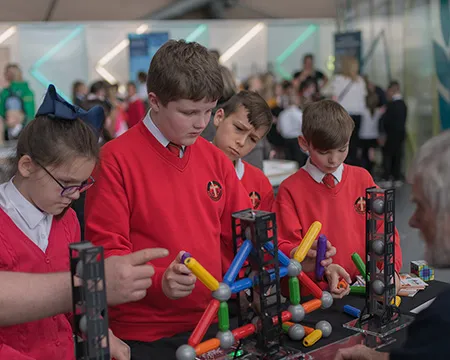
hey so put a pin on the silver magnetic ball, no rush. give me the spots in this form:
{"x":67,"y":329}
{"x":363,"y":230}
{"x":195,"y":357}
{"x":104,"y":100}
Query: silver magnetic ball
{"x":378,"y":287}
{"x":378,"y":206}
{"x":226,"y":339}
{"x":257,"y":322}
{"x":297,"y":311}
{"x":327,"y":300}
{"x":83,"y":324}
{"x":248,"y":233}
{"x":79,"y":269}
{"x":296,"y":332}
{"x":185,"y":352}
{"x":378,"y":247}
{"x":294,"y":268}
{"x":223,"y":293}
{"x":325,"y":327}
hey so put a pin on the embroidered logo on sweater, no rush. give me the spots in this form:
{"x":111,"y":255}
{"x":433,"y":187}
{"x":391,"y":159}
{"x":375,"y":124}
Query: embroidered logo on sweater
{"x":360,"y":205}
{"x":214,"y":190}
{"x":255,"y":199}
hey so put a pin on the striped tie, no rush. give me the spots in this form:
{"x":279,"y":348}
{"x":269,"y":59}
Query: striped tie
{"x":174,"y":149}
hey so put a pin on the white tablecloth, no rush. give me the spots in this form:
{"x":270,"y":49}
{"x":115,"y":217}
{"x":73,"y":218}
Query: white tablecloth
{"x":279,"y":170}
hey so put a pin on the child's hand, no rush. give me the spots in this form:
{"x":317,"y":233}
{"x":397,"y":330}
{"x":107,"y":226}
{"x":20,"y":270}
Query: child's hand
{"x":398,"y":284}
{"x":333,"y":273}
{"x":119,"y":350}
{"x":178,"y":281}
{"x":14,"y":118}
{"x":309,"y":263}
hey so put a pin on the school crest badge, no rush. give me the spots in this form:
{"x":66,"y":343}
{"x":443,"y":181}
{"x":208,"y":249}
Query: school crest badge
{"x":214,"y":190}
{"x":255,"y":198}
{"x":360,"y":205}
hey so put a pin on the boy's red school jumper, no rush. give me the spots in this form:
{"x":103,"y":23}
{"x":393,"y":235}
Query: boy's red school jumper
{"x":50,"y":338}
{"x":341,"y":210}
{"x":147,"y":197}
{"x":258,"y":186}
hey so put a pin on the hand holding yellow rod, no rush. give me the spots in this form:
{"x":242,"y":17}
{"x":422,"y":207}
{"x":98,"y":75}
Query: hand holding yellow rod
{"x":307,"y":241}
{"x":202,"y":274}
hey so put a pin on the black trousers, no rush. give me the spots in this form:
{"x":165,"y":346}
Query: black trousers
{"x":353,"y":158}
{"x":161,"y":349}
{"x":166,"y":348}
{"x":366,"y":145}
{"x":294,"y":152}
{"x":393,"y":156}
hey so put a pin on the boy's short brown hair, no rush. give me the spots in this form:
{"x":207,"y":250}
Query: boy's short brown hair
{"x":258,"y":111}
{"x":181,"y":70}
{"x":327,"y":125}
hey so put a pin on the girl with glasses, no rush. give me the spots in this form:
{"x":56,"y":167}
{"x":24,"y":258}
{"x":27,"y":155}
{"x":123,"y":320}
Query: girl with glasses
{"x":56,"y":154}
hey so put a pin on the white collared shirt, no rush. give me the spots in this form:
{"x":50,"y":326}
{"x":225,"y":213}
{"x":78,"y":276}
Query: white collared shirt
{"x":318,"y":175}
{"x":148,"y":122}
{"x":31,"y":221}
{"x":240,"y":168}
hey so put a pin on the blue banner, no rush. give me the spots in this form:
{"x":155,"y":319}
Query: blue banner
{"x":442,"y":64}
{"x":347,"y":44}
{"x":142,"y":49}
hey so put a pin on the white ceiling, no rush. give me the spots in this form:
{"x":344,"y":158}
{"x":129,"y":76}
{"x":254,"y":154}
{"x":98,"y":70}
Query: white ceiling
{"x":91,"y":10}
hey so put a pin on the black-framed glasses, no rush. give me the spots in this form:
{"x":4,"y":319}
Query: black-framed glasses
{"x":70,"y":190}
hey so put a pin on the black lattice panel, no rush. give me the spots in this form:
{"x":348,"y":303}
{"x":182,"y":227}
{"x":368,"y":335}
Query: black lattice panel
{"x":260,"y":228}
{"x":89,"y":302}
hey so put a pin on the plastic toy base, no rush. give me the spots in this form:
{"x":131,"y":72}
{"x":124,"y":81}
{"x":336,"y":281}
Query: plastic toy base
{"x":329,"y":352}
{"x":370,"y":326}
{"x":249,"y":351}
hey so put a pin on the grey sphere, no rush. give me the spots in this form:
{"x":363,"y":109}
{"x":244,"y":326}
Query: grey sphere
{"x":296,"y":332}
{"x":325,"y":327}
{"x":185,"y":352}
{"x":257,"y":322}
{"x":79,"y":269}
{"x":378,"y":206}
{"x":297,"y":311}
{"x":378,"y":247}
{"x":294,"y":268}
{"x":248,"y":233}
{"x":83,"y":324}
{"x":378,"y":287}
{"x":226,"y":339}
{"x":327,"y":300}
{"x":223,"y":293}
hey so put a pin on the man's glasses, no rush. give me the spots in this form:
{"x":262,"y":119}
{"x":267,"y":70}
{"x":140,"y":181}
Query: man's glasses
{"x":70,"y":190}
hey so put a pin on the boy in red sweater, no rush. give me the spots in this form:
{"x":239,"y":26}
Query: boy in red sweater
{"x":160,"y":184}
{"x":241,"y":123}
{"x":135,"y":106}
{"x":328,"y":191}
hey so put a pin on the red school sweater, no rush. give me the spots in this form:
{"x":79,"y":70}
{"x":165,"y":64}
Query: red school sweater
{"x":258,"y":187}
{"x":147,"y":197}
{"x":301,"y":201}
{"x":50,"y":338}
{"x":135,"y":112}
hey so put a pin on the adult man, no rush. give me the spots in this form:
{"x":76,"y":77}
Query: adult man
{"x":309,"y":72}
{"x":430,"y":177}
{"x":29,"y":297}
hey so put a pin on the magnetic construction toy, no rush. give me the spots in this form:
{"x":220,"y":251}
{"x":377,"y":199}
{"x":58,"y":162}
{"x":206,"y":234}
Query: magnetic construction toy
{"x":380,"y":315}
{"x":90,"y":309}
{"x":255,"y":272}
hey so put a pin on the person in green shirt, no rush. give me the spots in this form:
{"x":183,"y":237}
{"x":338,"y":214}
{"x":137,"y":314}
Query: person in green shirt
{"x":16,"y":102}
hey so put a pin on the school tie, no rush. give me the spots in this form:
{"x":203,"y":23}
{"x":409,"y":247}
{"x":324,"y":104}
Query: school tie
{"x":328,"y":180}
{"x":174,"y":149}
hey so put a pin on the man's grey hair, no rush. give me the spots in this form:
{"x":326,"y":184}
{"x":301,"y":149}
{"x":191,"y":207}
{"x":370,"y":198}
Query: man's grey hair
{"x":432,"y":168}
{"x":431,"y":171}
